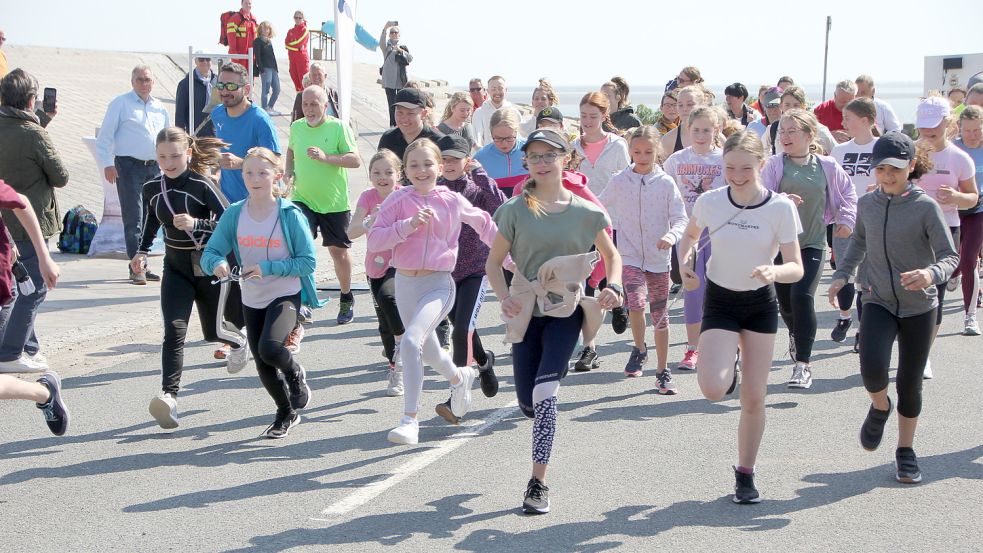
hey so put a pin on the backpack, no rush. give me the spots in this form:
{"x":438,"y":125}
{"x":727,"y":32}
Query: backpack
{"x":223,"y":38}
{"x":78,"y":227}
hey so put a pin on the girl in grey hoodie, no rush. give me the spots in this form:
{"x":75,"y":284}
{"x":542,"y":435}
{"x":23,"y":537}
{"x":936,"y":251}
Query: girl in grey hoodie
{"x":903,"y":235}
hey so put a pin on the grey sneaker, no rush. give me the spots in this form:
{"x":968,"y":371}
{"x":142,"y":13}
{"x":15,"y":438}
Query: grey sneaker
{"x":971,"y":328}
{"x":801,"y":376}
{"x":666,"y":386}
{"x":395,"y":386}
{"x":636,"y":361}
{"x":537,"y":498}
{"x":56,"y":414}
{"x":237,"y":359}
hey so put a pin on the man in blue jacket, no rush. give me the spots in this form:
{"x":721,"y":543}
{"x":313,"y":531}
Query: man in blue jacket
{"x":204,"y":82}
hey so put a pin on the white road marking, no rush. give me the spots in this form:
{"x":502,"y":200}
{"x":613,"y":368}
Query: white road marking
{"x":367,"y":493}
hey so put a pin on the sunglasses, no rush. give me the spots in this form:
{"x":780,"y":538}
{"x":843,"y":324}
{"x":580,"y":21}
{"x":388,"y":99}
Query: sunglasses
{"x":231,"y":87}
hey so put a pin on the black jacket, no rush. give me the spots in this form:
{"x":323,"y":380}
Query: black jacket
{"x":263,"y":56}
{"x":625,"y":119}
{"x":201,"y":100}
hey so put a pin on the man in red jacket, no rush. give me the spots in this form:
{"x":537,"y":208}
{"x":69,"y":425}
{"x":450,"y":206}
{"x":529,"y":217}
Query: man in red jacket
{"x":241,"y":32}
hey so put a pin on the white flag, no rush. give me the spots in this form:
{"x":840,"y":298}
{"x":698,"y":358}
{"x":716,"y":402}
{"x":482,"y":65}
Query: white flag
{"x":344,"y":17}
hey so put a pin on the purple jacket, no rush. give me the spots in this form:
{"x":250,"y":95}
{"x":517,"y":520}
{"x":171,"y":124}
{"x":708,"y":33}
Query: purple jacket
{"x":482,"y":191}
{"x":841,"y":196}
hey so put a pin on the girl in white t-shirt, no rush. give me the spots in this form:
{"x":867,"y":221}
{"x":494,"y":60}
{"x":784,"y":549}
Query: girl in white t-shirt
{"x":952,"y":180}
{"x":747,"y":225}
{"x":697,"y":169}
{"x":859,"y":118}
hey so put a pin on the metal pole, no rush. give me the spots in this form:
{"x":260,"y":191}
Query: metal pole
{"x":191,"y":92}
{"x":829,"y":24}
{"x":251,"y":76}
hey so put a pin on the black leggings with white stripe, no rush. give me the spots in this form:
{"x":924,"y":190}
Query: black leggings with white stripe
{"x":470,"y":293}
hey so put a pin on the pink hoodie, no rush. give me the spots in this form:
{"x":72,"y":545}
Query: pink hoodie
{"x":432,"y":246}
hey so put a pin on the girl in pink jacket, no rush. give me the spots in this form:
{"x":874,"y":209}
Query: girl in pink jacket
{"x":421,"y":225}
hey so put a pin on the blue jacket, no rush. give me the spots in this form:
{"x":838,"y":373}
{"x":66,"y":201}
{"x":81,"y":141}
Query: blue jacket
{"x":506,"y":169}
{"x":297,"y":235}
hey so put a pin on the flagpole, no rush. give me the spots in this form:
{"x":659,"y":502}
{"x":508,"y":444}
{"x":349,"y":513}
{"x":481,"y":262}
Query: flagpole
{"x":829,"y":24}
{"x":344,"y":14}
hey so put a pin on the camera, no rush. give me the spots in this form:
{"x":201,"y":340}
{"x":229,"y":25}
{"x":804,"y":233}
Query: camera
{"x":24,"y":283}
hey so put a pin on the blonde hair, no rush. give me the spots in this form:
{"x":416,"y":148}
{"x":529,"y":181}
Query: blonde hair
{"x":454,"y":100}
{"x":387,"y":155}
{"x":698,"y":93}
{"x":745,"y":141}
{"x":205,"y":151}
{"x":806,"y":122}
{"x":504,"y":116}
{"x":693,"y":73}
{"x":271,"y":158}
{"x":797,"y":93}
{"x":547,"y":89}
{"x":647,"y":132}
{"x":266,"y":25}
{"x":704,"y":111}
{"x":422,"y":144}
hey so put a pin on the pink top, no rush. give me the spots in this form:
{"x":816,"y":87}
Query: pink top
{"x":949,"y":166}
{"x":592,"y":150}
{"x":376,"y":263}
{"x":432,"y":246}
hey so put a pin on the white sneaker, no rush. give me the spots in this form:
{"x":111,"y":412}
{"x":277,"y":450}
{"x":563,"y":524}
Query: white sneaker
{"x":927,"y":375}
{"x":408,"y":432}
{"x":23,"y":364}
{"x":953,"y":284}
{"x":395,"y":387}
{"x":971,"y":328}
{"x":461,"y":394}
{"x":237,"y":359}
{"x":40,"y":360}
{"x":801,"y":376}
{"x":163,"y":409}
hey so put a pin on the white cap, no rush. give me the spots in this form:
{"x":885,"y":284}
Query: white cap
{"x":931,"y":112}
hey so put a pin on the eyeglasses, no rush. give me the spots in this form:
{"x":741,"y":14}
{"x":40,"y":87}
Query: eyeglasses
{"x":668,"y":104}
{"x":475,"y":89}
{"x":231,"y":87}
{"x":788,"y":132}
{"x":504,"y":138}
{"x":536,"y":159}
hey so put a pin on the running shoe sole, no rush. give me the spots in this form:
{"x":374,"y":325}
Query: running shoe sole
{"x":801,"y":385}
{"x":161,"y":412}
{"x":666,"y":392}
{"x":530,"y":510}
{"x":285,"y":434}
{"x":633,"y":374}
{"x":444,"y":410}
{"x":907,"y":479}
{"x":752,"y":501}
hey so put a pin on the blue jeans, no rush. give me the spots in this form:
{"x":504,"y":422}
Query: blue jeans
{"x":270,"y":78}
{"x":17,"y":319}
{"x":131,"y":175}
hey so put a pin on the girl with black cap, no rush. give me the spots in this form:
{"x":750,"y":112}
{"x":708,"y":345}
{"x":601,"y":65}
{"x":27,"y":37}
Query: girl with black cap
{"x":545,"y":222}
{"x":903,"y":239}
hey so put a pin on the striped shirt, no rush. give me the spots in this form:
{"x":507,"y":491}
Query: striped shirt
{"x":189,"y":193}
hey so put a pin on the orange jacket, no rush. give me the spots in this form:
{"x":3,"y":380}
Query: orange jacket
{"x":297,"y":39}
{"x":241,"y":32}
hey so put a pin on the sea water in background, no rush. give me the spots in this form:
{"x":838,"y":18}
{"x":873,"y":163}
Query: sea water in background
{"x":903,"y":96}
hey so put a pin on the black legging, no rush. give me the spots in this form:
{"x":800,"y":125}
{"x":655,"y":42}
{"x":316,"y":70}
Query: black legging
{"x":466,"y":304}
{"x":384,"y":301}
{"x":797,"y":303}
{"x":879,"y":328}
{"x":180,"y":289}
{"x":844,"y":298}
{"x":266,"y":330}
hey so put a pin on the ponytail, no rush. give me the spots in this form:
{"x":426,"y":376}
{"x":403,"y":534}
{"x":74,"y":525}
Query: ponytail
{"x":205,"y":152}
{"x":532,"y":202}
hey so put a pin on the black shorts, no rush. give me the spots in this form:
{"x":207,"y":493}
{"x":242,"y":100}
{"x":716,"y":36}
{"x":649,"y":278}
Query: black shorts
{"x":754,"y":310}
{"x":333,"y":226}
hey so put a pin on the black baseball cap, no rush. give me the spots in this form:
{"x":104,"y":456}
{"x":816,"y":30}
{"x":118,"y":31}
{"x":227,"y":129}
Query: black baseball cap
{"x":411,"y":98}
{"x":549,"y":137}
{"x":550,"y":112}
{"x":895,"y":149}
{"x":452,"y":145}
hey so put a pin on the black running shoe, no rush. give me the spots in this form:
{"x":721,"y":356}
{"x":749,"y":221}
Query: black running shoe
{"x":588,"y":360}
{"x":619,"y":320}
{"x":445,"y":412}
{"x":839,"y":331}
{"x":444,"y":334}
{"x":744,"y":491}
{"x":282,"y":424}
{"x":486,"y":374}
{"x":856,"y":343}
{"x":873,"y":428}
{"x":300,"y":392}
{"x":907,"y":464}
{"x":537,"y":499}
{"x":674,"y":289}
{"x":56,"y":414}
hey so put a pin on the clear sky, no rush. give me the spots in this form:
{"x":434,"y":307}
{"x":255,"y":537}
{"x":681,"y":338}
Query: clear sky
{"x":572,"y":42}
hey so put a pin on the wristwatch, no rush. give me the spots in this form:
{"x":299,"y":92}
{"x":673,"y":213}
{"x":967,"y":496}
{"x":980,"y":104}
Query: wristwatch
{"x":617,"y":289}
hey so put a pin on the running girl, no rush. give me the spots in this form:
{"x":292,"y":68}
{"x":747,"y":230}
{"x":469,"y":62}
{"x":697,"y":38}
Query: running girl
{"x":546,"y":221}
{"x":502,"y":158}
{"x":605,"y":153}
{"x":272,"y":244}
{"x":461,"y":176}
{"x":421,"y":225}
{"x":696,"y":169}
{"x":185,"y":203}
{"x":823,"y":195}
{"x":646,"y":207}
{"x":747,"y":225}
{"x":902,"y":238}
{"x":859,"y":118}
{"x":384,"y":174}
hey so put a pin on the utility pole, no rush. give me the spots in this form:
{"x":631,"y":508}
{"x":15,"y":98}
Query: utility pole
{"x":829,"y":24}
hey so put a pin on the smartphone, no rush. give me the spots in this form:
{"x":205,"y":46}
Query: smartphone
{"x":50,"y":100}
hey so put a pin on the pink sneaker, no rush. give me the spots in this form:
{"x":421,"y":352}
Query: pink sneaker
{"x":689,"y":361}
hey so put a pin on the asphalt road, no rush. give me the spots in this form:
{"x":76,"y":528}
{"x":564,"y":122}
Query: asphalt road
{"x":631,"y":470}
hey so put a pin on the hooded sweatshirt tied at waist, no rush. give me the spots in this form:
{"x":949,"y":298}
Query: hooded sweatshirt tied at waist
{"x":891,"y":231}
{"x":484,"y":194}
{"x":841,"y":196}
{"x":431,"y":246}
